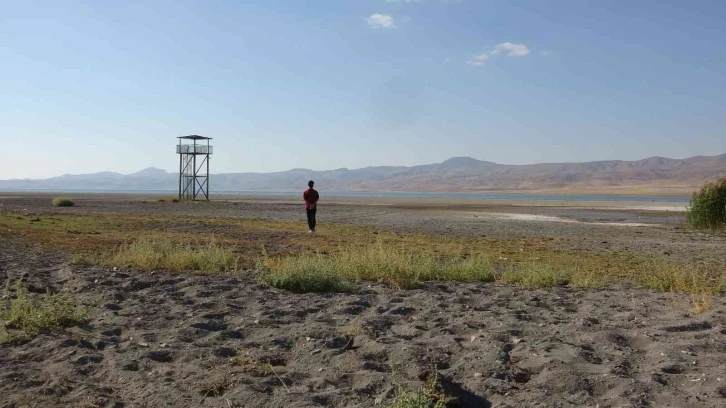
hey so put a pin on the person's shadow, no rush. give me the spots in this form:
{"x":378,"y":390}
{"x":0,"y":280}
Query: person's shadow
{"x":467,"y":399}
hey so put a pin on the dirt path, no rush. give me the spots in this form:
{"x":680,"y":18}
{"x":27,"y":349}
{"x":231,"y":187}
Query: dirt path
{"x":158,"y":339}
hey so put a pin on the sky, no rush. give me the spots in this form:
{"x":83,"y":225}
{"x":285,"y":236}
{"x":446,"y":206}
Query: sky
{"x":325,"y":84}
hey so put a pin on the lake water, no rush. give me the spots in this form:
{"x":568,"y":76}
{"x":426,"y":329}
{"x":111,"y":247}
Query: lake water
{"x":488,"y":196}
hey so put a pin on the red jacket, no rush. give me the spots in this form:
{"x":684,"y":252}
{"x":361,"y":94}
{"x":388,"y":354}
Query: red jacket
{"x":311,"y":198}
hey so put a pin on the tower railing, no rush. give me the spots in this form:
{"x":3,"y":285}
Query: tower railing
{"x":194,"y":149}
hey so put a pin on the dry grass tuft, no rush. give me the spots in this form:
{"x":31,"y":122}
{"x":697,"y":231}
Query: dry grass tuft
{"x":429,"y":395}
{"x":150,"y":253}
{"x":659,"y":275}
{"x":217,"y":386}
{"x":701,"y":302}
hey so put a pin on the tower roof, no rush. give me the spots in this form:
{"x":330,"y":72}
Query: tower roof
{"x":194,"y":137}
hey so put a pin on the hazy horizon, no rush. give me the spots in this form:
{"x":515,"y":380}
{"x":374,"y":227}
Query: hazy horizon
{"x":176,"y":170}
{"x":92,"y":87}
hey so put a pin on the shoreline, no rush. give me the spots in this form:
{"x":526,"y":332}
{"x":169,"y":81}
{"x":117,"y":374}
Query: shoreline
{"x":440,"y":203}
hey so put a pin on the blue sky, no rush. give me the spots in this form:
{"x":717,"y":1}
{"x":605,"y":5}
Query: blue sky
{"x":280,"y":84}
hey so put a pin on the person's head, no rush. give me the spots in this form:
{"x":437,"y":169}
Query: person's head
{"x":311,"y":183}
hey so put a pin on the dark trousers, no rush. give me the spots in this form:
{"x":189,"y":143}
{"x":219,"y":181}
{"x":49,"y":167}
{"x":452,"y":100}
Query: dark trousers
{"x":311,"y":218}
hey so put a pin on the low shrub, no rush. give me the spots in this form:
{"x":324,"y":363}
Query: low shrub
{"x":708,"y":206}
{"x":63,"y":202}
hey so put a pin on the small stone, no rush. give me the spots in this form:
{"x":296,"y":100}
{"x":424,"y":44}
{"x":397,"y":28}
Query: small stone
{"x":316,"y":351}
{"x":86,"y":344}
{"x":336,"y":342}
{"x":112,"y":306}
{"x":142,"y":344}
{"x":130,"y":366}
{"x":210,"y":325}
{"x":225,"y":352}
{"x":477,"y":375}
{"x":672,"y":369}
{"x":116,"y":331}
{"x":69,"y":343}
{"x":83,"y":360}
{"x":229,"y":334}
{"x":160,"y":356}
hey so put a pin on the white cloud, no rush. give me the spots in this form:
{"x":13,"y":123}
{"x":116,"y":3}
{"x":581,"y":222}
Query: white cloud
{"x":512,"y":50}
{"x":479,"y":60}
{"x":381,"y":21}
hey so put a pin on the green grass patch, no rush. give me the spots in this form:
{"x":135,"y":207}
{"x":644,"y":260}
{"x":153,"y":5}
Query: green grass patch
{"x":151,"y":253}
{"x":708,"y":206}
{"x":396,"y":267}
{"x":305,"y":273}
{"x":476,"y":268}
{"x":25,"y":317}
{"x":535,"y":275}
{"x":63,"y":202}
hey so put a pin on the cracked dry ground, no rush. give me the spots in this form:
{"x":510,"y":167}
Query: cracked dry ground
{"x":159,"y":339}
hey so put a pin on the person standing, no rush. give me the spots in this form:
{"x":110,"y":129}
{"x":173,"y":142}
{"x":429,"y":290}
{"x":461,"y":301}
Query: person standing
{"x":311,"y":198}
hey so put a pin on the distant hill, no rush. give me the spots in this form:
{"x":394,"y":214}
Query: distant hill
{"x":655,"y":175}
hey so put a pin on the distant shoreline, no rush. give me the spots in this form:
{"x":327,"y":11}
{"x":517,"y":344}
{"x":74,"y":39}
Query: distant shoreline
{"x":503,"y":195}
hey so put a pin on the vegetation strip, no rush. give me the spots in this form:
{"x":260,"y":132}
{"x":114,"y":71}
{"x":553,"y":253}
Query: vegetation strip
{"x":286,"y":257}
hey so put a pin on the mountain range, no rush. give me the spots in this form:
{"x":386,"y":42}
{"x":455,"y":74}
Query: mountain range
{"x":655,"y":175}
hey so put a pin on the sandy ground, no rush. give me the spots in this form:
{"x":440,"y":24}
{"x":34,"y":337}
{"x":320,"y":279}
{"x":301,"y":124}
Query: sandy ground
{"x":159,"y":339}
